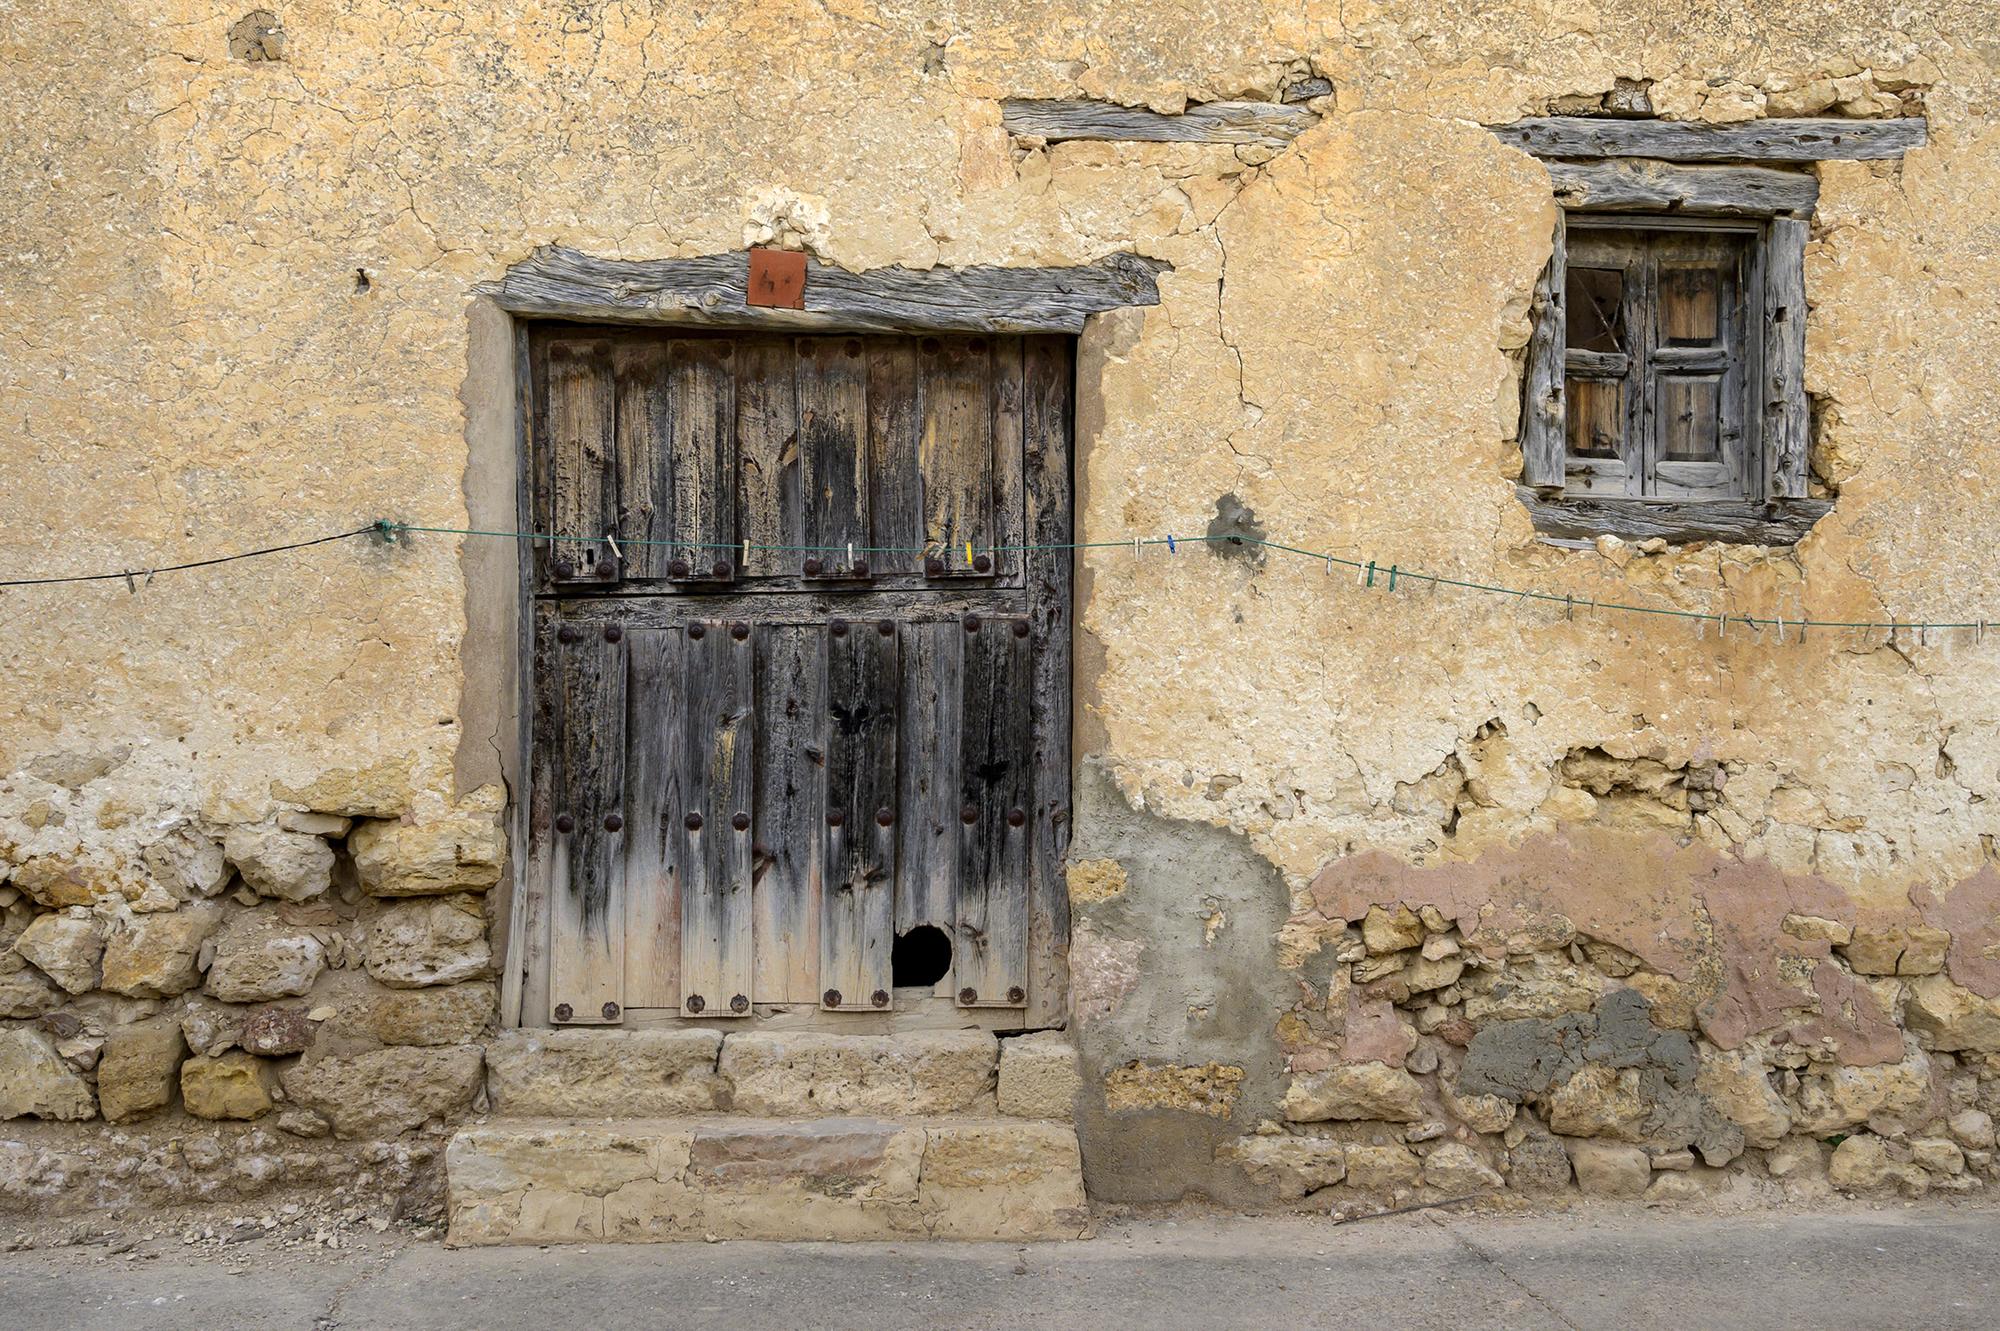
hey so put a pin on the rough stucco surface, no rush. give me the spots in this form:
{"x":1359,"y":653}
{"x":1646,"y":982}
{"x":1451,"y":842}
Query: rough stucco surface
{"x":191,"y":366}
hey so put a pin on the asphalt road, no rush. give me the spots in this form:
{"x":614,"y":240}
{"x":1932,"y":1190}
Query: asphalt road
{"x":1936,"y":1268}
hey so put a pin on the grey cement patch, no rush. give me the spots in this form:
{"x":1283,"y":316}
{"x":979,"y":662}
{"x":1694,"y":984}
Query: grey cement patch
{"x":1195,"y":1001}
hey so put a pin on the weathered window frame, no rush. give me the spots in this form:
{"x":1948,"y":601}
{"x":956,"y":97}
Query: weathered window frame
{"x":1654,"y":174}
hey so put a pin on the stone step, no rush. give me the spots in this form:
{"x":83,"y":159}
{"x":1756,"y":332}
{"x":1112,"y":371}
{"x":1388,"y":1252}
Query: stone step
{"x":581,"y":1073}
{"x":722,"y":1177}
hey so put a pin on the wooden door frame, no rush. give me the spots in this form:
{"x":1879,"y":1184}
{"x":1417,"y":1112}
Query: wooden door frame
{"x":496,"y":712}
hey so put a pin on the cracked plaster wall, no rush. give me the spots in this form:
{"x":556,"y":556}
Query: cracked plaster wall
{"x":192,"y":364}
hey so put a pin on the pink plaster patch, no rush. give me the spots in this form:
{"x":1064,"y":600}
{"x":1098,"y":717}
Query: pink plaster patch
{"x":1970,"y":913}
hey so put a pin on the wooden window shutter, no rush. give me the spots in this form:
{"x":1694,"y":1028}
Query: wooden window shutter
{"x":577,"y":430}
{"x":1542,"y":395}
{"x":1787,"y":423}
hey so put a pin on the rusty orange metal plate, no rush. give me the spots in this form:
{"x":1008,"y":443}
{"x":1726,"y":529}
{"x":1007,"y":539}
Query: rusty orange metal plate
{"x":777,"y":279}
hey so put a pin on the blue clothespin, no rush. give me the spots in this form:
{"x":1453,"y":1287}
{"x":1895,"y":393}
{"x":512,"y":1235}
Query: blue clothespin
{"x":1170,"y":543}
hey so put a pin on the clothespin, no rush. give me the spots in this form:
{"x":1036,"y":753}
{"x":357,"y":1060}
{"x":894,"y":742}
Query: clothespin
{"x":1136,"y":551}
{"x":1569,"y":606}
{"x":1979,"y":634}
{"x":1923,"y":635}
{"x":1170,"y":544}
{"x":616,"y":553}
{"x":131,"y":586}
{"x":968,"y":553}
{"x":1781,"y":628}
{"x":1371,"y":574}
{"x":1721,"y":627}
{"x":850,"y":554}
{"x":746,"y":552}
{"x":1392,"y":577}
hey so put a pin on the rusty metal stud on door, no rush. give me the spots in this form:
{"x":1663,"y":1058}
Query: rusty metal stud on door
{"x":739,"y":1003}
{"x":880,"y":998}
{"x":831,"y":998}
{"x":968,"y":814}
{"x":613,"y":823}
{"x":692,"y":822}
{"x":1015,"y":817}
{"x":721,"y":568}
{"x":677,"y":568}
{"x":565,"y":569}
{"x":934,"y":567}
{"x":885,"y":817}
{"x":1020,"y":628}
{"x":971,"y":623}
{"x":1016,"y":994}
{"x":612,"y":633}
{"x":886,"y":627}
{"x":564,"y":1012}
{"x":968,"y":996}
{"x":697,"y":630}
{"x":739,"y":630}
{"x":610,"y":1011}
{"x":837,"y":627}
{"x":566,"y":633}
{"x":860,"y":569}
{"x":565,"y":824}
{"x":834,"y":818}
{"x":982,"y":563}
{"x":695,"y":1003}
{"x":812,"y":568}
{"x":740,"y":821}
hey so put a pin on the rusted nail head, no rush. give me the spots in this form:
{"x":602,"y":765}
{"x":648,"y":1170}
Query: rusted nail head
{"x":722,"y":568}
{"x":741,"y":822}
{"x":971,"y":623}
{"x":564,"y":1012}
{"x":695,"y":1002}
{"x":1017,"y":994}
{"x":611,"y":1012}
{"x":1015,"y":817}
{"x":565,"y":569}
{"x":968,"y":814}
{"x":677,"y":568}
{"x":1020,"y":628}
{"x":880,"y":998}
{"x":968,"y":996}
{"x":886,"y":627}
{"x":739,"y":1003}
{"x":860,"y":568}
{"x":566,"y":633}
{"x":834,"y":818}
{"x":739,"y":630}
{"x":613,"y":823}
{"x":837,"y":627}
{"x":933,"y":568}
{"x":982,"y":563}
{"x":697,"y":630}
{"x":885,"y":817}
{"x":612,"y":633}
{"x":831,"y":998}
{"x":565,"y":824}
{"x":692,"y":822}
{"x":812,"y":568}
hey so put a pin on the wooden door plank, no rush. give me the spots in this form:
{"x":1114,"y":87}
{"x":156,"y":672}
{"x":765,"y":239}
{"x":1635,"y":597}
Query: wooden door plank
{"x":956,"y":451}
{"x":833,"y":444}
{"x":1010,"y":503}
{"x":645,"y":499}
{"x":927,"y":799}
{"x":790,"y":812}
{"x":587,"y":919}
{"x":717,"y":774}
{"x":858,"y":892}
{"x":1787,"y":424}
{"x":1047,"y":374}
{"x":767,"y":451}
{"x":580,"y":415}
{"x":701,"y":432}
{"x":895,"y":424}
{"x":655,"y":807}
{"x":996,"y":754}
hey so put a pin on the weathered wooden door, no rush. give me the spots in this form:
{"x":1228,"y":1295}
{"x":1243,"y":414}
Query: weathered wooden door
{"x":802,"y":669}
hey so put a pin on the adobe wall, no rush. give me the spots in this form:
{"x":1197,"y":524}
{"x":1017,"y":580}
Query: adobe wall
{"x":1372,"y":891}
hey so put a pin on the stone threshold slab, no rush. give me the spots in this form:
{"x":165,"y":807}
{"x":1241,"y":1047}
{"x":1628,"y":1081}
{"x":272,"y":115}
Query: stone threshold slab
{"x":707,"y":1178}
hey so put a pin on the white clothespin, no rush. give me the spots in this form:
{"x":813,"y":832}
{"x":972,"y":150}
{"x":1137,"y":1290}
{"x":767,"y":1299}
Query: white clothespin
{"x":850,"y":554}
{"x":616,"y":553}
{"x":1136,"y":552}
{"x":746,"y":552}
{"x":1781,"y":628}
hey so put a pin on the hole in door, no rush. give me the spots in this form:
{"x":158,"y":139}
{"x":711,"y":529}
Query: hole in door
{"x":920,"y":957}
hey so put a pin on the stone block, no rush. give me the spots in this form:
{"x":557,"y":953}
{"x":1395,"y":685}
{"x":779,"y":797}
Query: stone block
{"x":230,"y":1085}
{"x":1737,"y":1083}
{"x":139,"y":1069}
{"x":1383,"y":1168}
{"x":1538,"y":1164}
{"x":1457,"y":1168}
{"x":1481,"y":1113}
{"x":37,"y":1082}
{"x":158,"y":955}
{"x":1354,"y":1091}
{"x":67,"y":946}
{"x":258,"y":957}
{"x":1188,"y":1088}
{"x":383,"y":1092}
{"x":778,"y":1074}
{"x":1289,"y":1166}
{"x":427,"y":940}
{"x":456,"y":852}
{"x":1609,"y":1169}
{"x":1832,"y":1099}
{"x":1896,"y":949}
{"x":1954,"y":1018}
{"x":28,"y":993}
{"x":605,"y":1073}
{"x":290,"y":866}
{"x":1863,"y":1163}
{"x":1385,"y":930}
{"x":276,"y":1030}
{"x":1039,"y":1077}
{"x":1599,"y":1101}
{"x":788,"y":1179}
{"x":439,"y":1015}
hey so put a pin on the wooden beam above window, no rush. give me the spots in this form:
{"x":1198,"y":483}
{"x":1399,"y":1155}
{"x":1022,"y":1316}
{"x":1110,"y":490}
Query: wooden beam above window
{"x":1716,"y":191}
{"x":562,"y":283}
{"x":1731,"y":521}
{"x":1802,"y":140}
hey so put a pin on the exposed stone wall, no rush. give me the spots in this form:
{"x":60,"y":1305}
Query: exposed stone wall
{"x":236,"y":285}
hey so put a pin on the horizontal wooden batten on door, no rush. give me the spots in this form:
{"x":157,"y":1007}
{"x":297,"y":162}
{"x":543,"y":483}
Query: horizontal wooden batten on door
{"x":563,"y":283}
